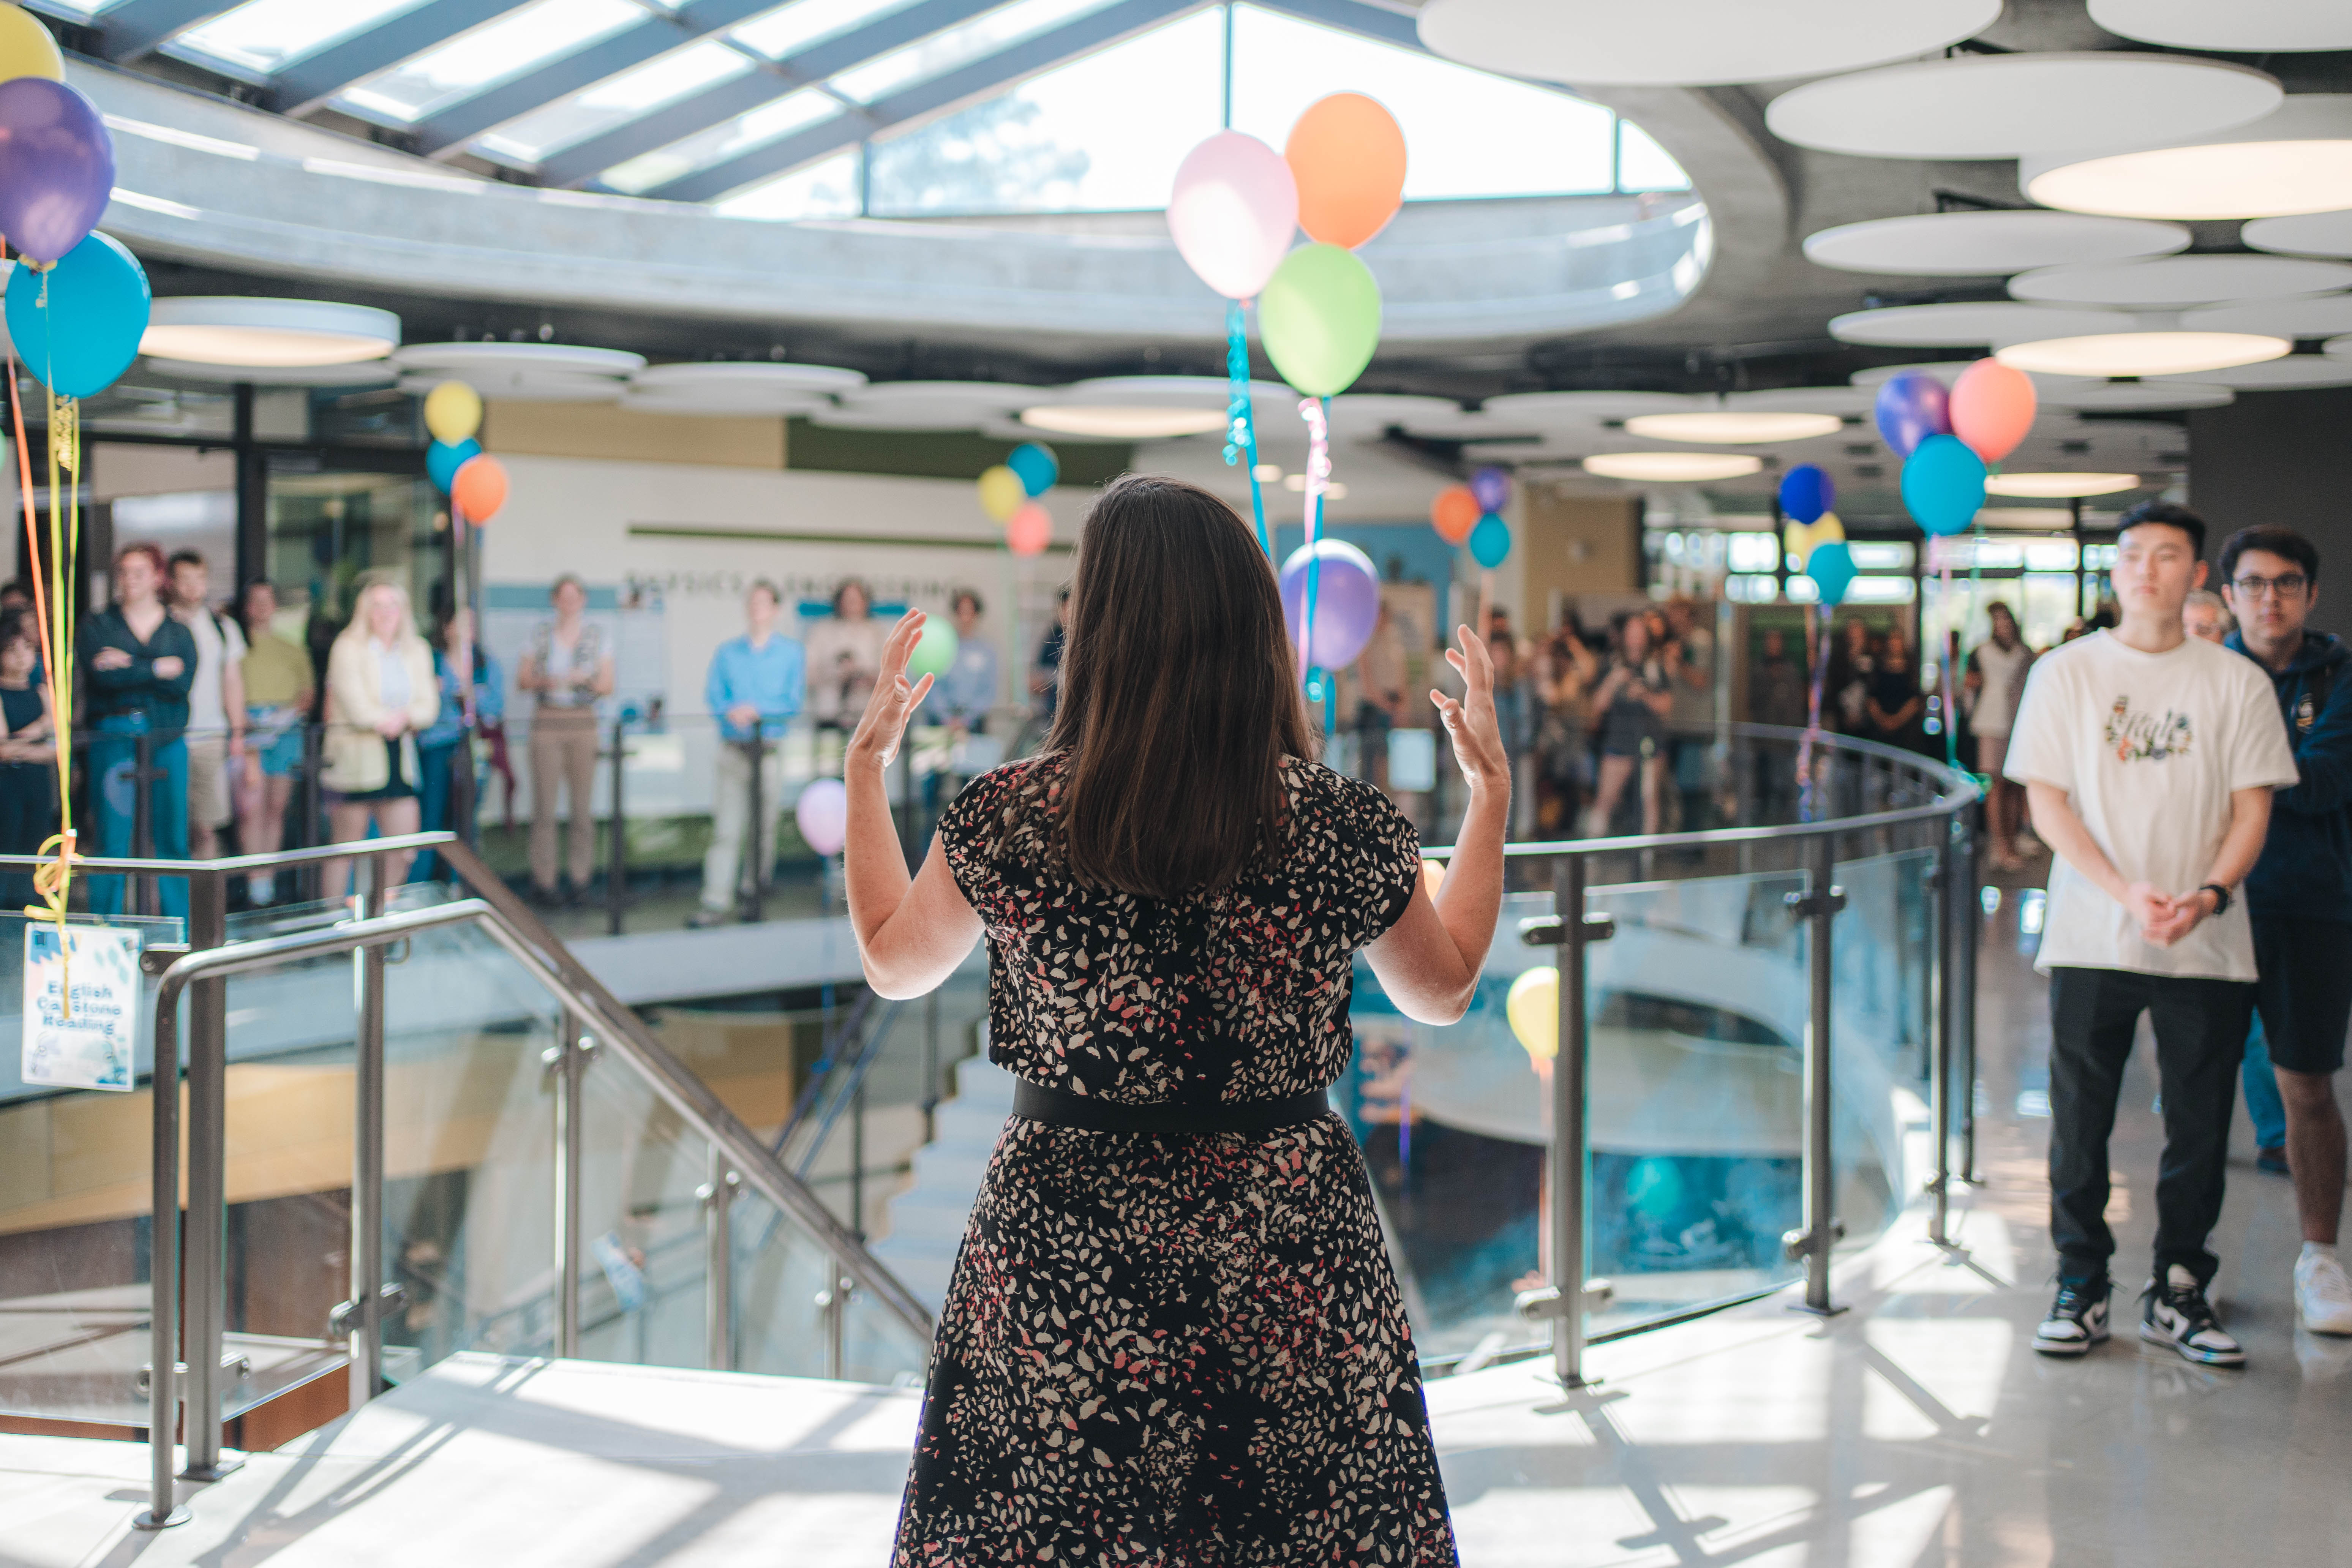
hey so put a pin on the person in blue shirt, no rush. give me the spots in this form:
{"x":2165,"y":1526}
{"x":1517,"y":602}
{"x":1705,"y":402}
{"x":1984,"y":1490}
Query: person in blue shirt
{"x":757,"y":684}
{"x":443,"y":745}
{"x":963,"y":696}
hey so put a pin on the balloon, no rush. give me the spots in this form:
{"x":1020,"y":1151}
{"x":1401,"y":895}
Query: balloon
{"x":57,"y":166}
{"x":1029,"y":530}
{"x":1490,"y":542}
{"x":1320,"y":319}
{"x":1455,"y":514}
{"x":1944,"y":484}
{"x":1036,"y":467}
{"x":934,"y":650}
{"x":1433,"y":875}
{"x":443,"y":459}
{"x":1347,"y":601}
{"x":1910,"y":408}
{"x":1491,"y":489}
{"x":1235,"y":207}
{"x":1803,"y":540}
{"x":480,"y":488}
{"x":1806,"y":492}
{"x":1533,"y":1008}
{"x":97,"y":306}
{"x":1991,"y":408}
{"x":1000,"y":492}
{"x":26,"y":48}
{"x":1832,"y":570}
{"x":823,"y":814}
{"x":452,"y":411}
{"x":1349,"y":158}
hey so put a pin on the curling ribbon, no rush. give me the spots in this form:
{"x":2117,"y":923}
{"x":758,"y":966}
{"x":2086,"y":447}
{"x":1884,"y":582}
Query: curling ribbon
{"x":1318,"y":469}
{"x":1241,"y":429}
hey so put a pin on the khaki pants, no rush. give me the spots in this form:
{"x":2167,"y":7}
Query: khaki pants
{"x":562,"y":752}
{"x":731,"y":819}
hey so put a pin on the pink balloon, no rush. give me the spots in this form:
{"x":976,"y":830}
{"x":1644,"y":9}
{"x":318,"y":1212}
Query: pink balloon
{"x":1233,"y":211}
{"x":823,"y":814}
{"x":1991,"y":408}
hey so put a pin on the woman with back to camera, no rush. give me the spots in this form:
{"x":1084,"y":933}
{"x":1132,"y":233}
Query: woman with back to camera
{"x":1172,"y":1334}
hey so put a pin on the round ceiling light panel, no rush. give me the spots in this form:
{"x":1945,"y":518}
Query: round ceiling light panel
{"x":2005,"y":106}
{"x":2287,"y":373}
{"x":1673,"y":468}
{"x":1988,"y":244}
{"x":929,"y":405}
{"x":742,"y":402}
{"x":2125,"y":396}
{"x":361,"y":372}
{"x":1371,"y":413}
{"x":466,"y":361}
{"x":1846,"y":402}
{"x":2054,"y":487}
{"x":1967,"y":324}
{"x":2238,"y":27}
{"x":1946,"y":371}
{"x":2176,"y":281}
{"x":1575,"y":410}
{"x":232,"y":329}
{"x":1122,"y":421}
{"x":2143,"y":352}
{"x":526,"y":384}
{"x":2309,"y":234}
{"x":1734,"y":427}
{"x":1692,"y":43}
{"x":744,"y":378}
{"x":2298,"y":159}
{"x":2318,"y":316}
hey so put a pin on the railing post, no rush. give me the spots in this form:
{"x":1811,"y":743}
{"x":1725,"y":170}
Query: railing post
{"x":758,"y":854}
{"x":363,"y":1309}
{"x":1939,"y":1042}
{"x":163,"y":1276}
{"x":570,"y":1060}
{"x":719,"y":1266}
{"x":837,"y":1317}
{"x":1967,"y":924}
{"x":1819,"y":904}
{"x":205,"y":1247}
{"x":616,"y":870}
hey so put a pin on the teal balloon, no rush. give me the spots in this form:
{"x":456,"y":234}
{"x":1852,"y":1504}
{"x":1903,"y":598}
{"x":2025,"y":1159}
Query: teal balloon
{"x":1320,"y":319}
{"x":1943,"y":484}
{"x":1036,"y":467}
{"x":443,"y":459}
{"x":85,"y":336}
{"x":1490,"y":542}
{"x":1830,"y":567}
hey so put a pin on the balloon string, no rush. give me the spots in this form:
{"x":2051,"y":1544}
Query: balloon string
{"x":1319,"y":469}
{"x":1241,"y":429}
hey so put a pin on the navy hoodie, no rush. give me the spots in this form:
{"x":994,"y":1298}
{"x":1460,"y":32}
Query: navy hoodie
{"x":2306,"y":870}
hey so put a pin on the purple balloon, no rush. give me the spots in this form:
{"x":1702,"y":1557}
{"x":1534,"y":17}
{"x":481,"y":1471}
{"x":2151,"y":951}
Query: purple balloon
{"x":1491,"y":488}
{"x":1346,"y":602}
{"x":57,"y":166}
{"x":1910,"y":408}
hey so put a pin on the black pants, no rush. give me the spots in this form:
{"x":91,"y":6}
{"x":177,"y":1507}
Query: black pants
{"x":2201,"y":1033}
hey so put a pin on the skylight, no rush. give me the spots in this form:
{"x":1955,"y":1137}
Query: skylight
{"x":615,"y":102}
{"x":790,"y":29}
{"x":794,"y":111}
{"x":262,"y":35}
{"x":491,"y":53}
{"x":824,"y":190}
{"x":958,"y":47}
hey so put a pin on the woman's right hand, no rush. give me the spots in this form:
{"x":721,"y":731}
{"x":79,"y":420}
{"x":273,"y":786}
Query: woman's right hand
{"x":1470,"y":724}
{"x":892,"y":701}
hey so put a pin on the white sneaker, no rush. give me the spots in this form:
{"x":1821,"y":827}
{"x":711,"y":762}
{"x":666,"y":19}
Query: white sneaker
{"x":2323,"y":1294}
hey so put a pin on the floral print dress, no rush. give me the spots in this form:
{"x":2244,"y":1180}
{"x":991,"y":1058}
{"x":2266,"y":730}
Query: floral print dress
{"x":1188,"y":1351}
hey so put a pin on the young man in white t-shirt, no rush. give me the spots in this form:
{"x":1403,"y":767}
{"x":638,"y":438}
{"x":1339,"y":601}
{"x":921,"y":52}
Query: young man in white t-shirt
{"x":2149,"y":757}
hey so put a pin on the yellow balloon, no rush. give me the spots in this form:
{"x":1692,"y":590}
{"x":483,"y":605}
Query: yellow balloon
{"x":1001,"y":492}
{"x":26,"y":48}
{"x":1533,"y":1008}
{"x":1827,"y":529}
{"x":1799,"y":543}
{"x":453,"y":412}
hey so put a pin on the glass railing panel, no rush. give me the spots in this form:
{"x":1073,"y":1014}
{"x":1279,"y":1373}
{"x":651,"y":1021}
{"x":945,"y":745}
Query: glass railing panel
{"x":644,"y":1225}
{"x":788,"y":1311}
{"x":1881,"y":959}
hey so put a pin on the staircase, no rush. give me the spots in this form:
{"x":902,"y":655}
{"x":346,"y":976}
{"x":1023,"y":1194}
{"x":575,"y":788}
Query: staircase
{"x":928,"y":1219}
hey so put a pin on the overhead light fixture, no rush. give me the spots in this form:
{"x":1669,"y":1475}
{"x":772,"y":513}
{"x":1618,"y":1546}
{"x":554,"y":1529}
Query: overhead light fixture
{"x":2148,"y":352}
{"x":231,"y":329}
{"x":1113,"y":422}
{"x":1730,"y":426}
{"x":2057,"y":486}
{"x":1266,"y":473}
{"x":1673,"y":468}
{"x":2296,"y":159}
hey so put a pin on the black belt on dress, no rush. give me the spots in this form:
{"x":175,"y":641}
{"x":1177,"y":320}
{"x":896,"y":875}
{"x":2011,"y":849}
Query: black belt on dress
{"x":1060,"y":1108}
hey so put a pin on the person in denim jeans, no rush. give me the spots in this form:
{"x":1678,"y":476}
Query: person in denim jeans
{"x":442,"y":746}
{"x":141,"y":663}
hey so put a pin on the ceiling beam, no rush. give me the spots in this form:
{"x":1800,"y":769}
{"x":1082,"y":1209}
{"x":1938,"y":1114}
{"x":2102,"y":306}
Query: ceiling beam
{"x":987,"y":75}
{"x":1373,"y":21}
{"x":135,"y":27}
{"x":584,"y":161}
{"x":322,"y":73}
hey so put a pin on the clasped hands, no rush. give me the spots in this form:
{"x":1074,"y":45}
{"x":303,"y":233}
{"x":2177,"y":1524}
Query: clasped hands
{"x":2165,"y":918}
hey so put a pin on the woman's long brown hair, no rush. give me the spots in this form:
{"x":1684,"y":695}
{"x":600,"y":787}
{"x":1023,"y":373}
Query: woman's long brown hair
{"x":1179,"y":694}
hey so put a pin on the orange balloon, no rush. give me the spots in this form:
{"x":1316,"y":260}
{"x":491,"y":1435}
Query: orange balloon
{"x":1348,"y":156}
{"x":1991,"y":408}
{"x":1454,"y":514}
{"x":480,"y":488}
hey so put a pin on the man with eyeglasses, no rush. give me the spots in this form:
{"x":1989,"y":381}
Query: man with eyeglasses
{"x":2299,"y":895}
{"x":2149,"y":757}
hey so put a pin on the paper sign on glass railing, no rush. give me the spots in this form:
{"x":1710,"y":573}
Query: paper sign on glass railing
{"x":89,"y":1046}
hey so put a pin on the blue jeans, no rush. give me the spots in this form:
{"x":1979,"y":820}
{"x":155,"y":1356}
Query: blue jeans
{"x":2264,"y":1105}
{"x":432,"y":792}
{"x":113,"y":756}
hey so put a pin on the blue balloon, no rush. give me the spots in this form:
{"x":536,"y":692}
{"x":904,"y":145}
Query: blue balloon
{"x":98,"y":303}
{"x":1944,"y":484}
{"x":1806,"y":493}
{"x":1035,"y":465}
{"x":1490,"y":542}
{"x":1830,"y":567}
{"x":443,"y":459}
{"x":1910,"y":408}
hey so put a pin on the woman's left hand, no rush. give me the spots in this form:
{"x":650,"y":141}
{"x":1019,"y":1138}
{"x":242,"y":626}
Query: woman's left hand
{"x":892,"y":702}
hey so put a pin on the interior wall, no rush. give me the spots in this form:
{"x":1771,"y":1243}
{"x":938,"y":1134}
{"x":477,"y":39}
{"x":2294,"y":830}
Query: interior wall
{"x":1578,"y":546}
{"x":2281,"y":457}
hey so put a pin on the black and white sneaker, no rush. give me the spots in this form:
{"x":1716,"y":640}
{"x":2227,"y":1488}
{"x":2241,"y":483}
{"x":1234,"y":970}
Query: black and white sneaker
{"x":2077,"y":1319}
{"x":2175,"y":1313}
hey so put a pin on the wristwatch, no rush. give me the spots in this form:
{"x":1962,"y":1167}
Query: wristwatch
{"x":2220,"y":897}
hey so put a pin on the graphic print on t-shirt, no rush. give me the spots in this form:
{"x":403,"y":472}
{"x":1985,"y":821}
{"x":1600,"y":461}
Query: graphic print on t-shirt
{"x":2148,"y":737}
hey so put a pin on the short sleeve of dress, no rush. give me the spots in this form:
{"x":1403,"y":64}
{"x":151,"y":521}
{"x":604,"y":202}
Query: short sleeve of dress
{"x":972,"y":833}
{"x":1380,"y":856}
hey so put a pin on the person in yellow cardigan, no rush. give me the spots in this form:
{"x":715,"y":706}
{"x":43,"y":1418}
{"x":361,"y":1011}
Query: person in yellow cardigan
{"x":381,"y":690}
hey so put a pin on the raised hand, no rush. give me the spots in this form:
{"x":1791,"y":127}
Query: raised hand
{"x":892,"y":701}
{"x":1470,"y":723}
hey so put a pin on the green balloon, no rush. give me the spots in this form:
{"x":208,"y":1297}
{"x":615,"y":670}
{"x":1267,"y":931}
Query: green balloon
{"x":934,"y":650}
{"x":1319,"y":319}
